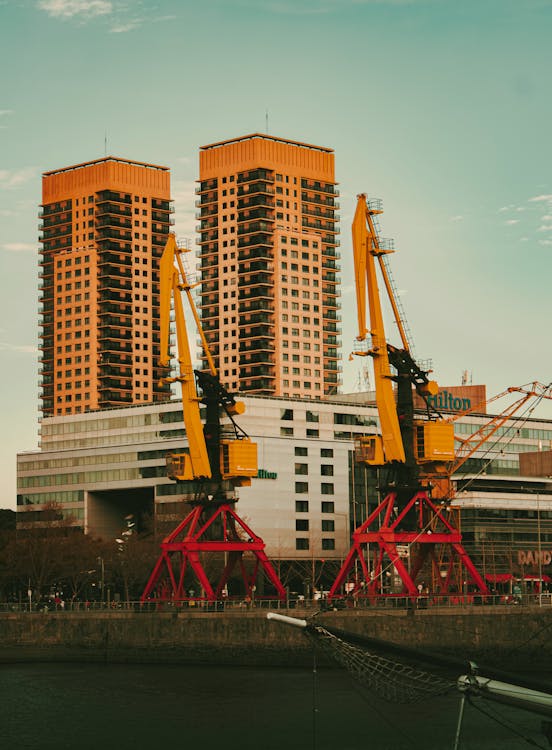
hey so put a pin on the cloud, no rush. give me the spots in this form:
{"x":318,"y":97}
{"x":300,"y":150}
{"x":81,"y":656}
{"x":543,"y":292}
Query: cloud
{"x":541,"y":199}
{"x":506,"y":208}
{"x":457,"y":218}
{"x":19,"y":247}
{"x":512,"y":221}
{"x":14,"y":178}
{"x":545,"y":228}
{"x":4,"y":112}
{"x":83,"y":9}
{"x":545,"y":242}
{"x":122,"y":28}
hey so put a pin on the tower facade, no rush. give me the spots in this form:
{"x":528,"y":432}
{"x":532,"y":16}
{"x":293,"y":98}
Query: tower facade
{"x":269,"y":264}
{"x":104,"y":225}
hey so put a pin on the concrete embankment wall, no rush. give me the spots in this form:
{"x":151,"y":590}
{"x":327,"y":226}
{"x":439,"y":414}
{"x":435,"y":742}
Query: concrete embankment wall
{"x":514,"y":637}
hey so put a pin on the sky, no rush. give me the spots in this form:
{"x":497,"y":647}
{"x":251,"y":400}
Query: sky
{"x":441,"y":108}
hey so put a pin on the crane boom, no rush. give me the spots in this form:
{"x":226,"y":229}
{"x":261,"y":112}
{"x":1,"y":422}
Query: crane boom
{"x":389,"y":448}
{"x":196,"y":463}
{"x":209,"y":456}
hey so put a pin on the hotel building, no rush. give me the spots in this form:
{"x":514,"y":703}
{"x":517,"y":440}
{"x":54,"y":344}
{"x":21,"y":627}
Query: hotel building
{"x":309,"y":494}
{"x":269,"y":264}
{"x":104,"y":225}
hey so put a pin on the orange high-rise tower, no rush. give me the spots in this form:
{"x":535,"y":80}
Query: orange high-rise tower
{"x":104,"y":227}
{"x":268,"y":236}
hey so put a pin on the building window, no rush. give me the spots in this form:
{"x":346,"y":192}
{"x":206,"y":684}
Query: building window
{"x":301,"y":524}
{"x":328,"y":543}
{"x":327,"y":488}
{"x":327,"y":470}
{"x":301,"y":468}
{"x":286,"y":431}
{"x":286,"y":414}
{"x":326,"y":452}
{"x":312,"y":433}
{"x":300,"y":450}
{"x":327,"y":506}
{"x":328,"y":525}
{"x":301,"y":488}
{"x":301,"y":543}
{"x":312,"y":416}
{"x":301,"y":506}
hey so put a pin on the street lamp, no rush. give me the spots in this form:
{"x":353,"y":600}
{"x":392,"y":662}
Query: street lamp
{"x":100,"y":562}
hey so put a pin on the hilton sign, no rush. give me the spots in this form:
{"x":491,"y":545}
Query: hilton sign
{"x":446,"y":400}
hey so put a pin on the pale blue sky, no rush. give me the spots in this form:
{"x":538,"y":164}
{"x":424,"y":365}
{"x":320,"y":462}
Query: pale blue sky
{"x":442,"y":108}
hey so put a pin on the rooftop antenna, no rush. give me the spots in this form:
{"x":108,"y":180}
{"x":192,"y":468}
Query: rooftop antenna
{"x":105,"y":143}
{"x":266,"y":119}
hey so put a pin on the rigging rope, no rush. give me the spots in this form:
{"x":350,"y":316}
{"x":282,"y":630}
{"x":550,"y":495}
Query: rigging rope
{"x":389,"y":679}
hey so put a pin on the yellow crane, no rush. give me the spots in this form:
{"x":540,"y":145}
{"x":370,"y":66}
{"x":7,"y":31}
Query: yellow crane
{"x":209,"y":455}
{"x":211,"y":469}
{"x":415,"y":449}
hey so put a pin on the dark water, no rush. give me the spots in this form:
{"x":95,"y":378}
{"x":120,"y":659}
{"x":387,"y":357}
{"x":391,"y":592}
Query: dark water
{"x":135,"y":706}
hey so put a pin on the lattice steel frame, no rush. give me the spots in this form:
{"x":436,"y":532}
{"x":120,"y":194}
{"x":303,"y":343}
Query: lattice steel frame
{"x":433,"y":530}
{"x":182,"y":550}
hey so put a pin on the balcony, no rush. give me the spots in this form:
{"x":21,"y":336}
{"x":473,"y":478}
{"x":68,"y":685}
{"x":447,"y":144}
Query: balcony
{"x":112,"y":220}
{"x":255,"y":319}
{"x":256,"y":344}
{"x":252,"y":200}
{"x":116,"y":272}
{"x":263,"y":290}
{"x":206,"y":198}
{"x":254,"y":266}
{"x":55,"y":221}
{"x":113,"y":234}
{"x":113,"y":209}
{"x":206,"y":185}
{"x":264,"y":240}
{"x":324,"y":226}
{"x":256,"y":305}
{"x":118,"y":259}
{"x":256,"y":174}
{"x":209,"y":236}
{"x":258,"y":187}
{"x":207,"y":224}
{"x":110,"y":345}
{"x":162,"y":216}
{"x":111,"y":283}
{"x":319,"y":200}
{"x":319,"y":187}
{"x":256,"y":226}
{"x":55,"y":208}
{"x":162,"y":204}
{"x":107,"y":196}
{"x":258,"y":279}
{"x":255,"y":213}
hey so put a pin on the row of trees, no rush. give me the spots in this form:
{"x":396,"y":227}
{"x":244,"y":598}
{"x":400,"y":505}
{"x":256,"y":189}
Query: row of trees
{"x":60,"y":559}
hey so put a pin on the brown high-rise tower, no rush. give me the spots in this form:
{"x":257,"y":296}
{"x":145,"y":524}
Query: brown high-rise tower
{"x":269,"y":299}
{"x":104,"y":227}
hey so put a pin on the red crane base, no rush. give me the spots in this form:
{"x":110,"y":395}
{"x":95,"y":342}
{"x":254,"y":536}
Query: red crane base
{"x":433,"y":539}
{"x":181,"y":554}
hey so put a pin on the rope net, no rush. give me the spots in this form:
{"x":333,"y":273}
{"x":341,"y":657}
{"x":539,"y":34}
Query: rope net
{"x":390,"y":680}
